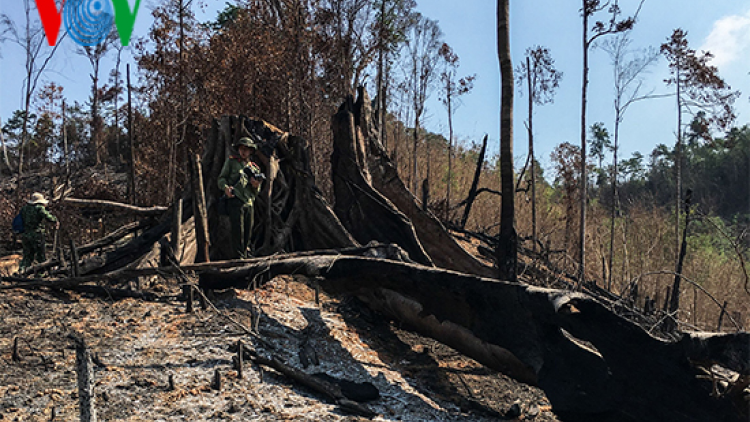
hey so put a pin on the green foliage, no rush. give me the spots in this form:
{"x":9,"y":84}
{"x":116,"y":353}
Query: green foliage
{"x":225,"y":18}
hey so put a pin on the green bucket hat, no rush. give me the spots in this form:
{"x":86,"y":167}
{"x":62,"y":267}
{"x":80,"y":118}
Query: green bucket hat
{"x":246,"y":142}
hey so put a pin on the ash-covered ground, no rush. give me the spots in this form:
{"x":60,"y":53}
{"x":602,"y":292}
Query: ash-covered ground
{"x":138,"y":345}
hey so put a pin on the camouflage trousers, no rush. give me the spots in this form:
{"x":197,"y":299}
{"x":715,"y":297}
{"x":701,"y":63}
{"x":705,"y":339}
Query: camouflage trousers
{"x":34,"y":246}
{"x":241,"y":219}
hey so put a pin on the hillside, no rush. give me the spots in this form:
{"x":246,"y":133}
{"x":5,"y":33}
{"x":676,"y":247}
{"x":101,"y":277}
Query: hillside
{"x":387,"y":273}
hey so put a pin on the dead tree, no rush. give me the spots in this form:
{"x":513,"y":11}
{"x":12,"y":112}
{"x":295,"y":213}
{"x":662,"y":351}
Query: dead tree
{"x":473,"y":190}
{"x":365,"y":212}
{"x":589,"y":360}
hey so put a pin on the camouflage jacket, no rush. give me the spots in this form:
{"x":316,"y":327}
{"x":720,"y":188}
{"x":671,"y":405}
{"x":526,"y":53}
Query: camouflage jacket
{"x":232,"y":174}
{"x":34,"y":216}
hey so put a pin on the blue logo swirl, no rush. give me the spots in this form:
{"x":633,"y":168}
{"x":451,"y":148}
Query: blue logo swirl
{"x":88,"y":21}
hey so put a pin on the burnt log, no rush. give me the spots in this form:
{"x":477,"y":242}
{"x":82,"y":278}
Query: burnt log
{"x":591,"y":362}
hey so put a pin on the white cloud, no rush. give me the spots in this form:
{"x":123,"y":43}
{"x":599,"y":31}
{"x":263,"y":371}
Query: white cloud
{"x":729,"y":40}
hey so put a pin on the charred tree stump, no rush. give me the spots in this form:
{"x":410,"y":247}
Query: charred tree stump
{"x":74,"y":269}
{"x":365,"y":212}
{"x":239,"y":359}
{"x":474,"y":184}
{"x":438,"y":244}
{"x":85,"y":371}
{"x":291,"y":213}
{"x":216,"y":381}
{"x":16,"y":356}
{"x":187,"y":292}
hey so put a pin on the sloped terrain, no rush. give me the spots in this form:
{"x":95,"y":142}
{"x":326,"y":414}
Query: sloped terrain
{"x":139,"y":345}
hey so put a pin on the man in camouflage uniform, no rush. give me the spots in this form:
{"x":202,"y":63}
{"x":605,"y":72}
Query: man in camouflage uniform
{"x":240,"y":180}
{"x":34,"y":215}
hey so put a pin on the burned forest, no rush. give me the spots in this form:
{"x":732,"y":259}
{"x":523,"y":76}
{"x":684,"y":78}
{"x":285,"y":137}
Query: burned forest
{"x":368,"y":308}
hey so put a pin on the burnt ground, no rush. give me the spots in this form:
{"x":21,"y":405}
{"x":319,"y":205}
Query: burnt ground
{"x":140,"y":344}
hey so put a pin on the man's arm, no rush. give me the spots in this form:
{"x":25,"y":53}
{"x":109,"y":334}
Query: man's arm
{"x":48,"y":216}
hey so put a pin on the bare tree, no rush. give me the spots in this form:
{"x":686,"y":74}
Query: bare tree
{"x":542,"y":79}
{"x":452,"y":90}
{"x":95,"y":54}
{"x":699,"y":91}
{"x":117,"y":80}
{"x":599,"y":29}
{"x":392,"y":24}
{"x":507,"y":245}
{"x":628,"y":67}
{"x":33,"y":40}
{"x":423,"y":47}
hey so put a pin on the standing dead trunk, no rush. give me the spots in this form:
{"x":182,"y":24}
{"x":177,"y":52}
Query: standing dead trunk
{"x":199,"y":211}
{"x":474,"y":184}
{"x":133,"y":197}
{"x":674,"y":302}
{"x":85,"y":371}
{"x":176,"y":239}
{"x":507,"y":245}
{"x":439,"y":245}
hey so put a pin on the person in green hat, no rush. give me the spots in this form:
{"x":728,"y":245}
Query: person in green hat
{"x":240,"y":180}
{"x":34,"y":215}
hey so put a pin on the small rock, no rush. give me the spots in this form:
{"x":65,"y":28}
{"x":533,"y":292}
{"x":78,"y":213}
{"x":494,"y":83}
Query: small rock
{"x":533,"y":411}
{"x":514,"y":411}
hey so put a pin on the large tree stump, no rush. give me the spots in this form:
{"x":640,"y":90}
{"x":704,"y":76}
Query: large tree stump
{"x":441,"y":247}
{"x":365,"y":212}
{"x":290,"y":212}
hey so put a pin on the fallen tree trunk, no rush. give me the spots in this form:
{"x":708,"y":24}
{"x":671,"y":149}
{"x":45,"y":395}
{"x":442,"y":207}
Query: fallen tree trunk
{"x":392,"y":252}
{"x":330,"y":390}
{"x":588,"y":360}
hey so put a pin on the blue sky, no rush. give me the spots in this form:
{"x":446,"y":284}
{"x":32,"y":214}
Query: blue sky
{"x":721,"y":26}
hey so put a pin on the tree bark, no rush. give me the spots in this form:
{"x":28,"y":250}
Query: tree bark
{"x":507,"y":248}
{"x":85,"y":371}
